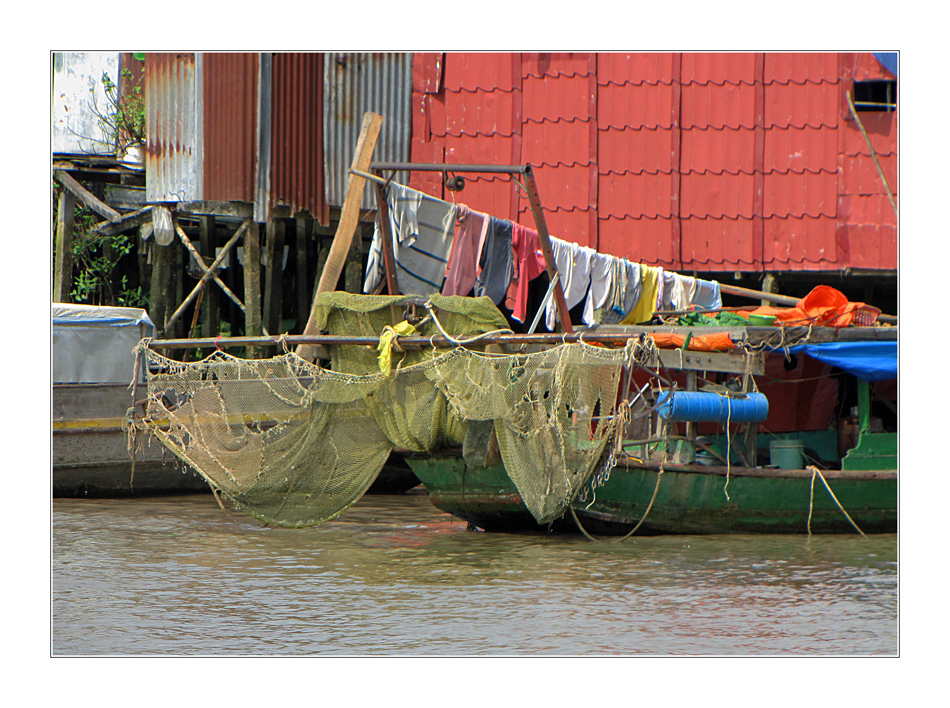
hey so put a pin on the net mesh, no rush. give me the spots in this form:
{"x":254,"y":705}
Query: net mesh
{"x":295,"y":444}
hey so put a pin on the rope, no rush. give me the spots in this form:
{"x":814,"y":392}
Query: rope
{"x":461,"y":342}
{"x":816,"y":471}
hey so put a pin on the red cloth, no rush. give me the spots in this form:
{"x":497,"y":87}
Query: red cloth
{"x":528,"y":265}
{"x":463,"y":260}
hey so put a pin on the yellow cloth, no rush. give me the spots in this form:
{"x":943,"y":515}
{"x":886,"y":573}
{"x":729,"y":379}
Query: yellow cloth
{"x":646,"y":305}
{"x":386,"y":344}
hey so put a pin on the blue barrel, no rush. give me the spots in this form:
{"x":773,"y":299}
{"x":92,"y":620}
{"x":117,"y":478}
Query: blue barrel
{"x":703,"y":407}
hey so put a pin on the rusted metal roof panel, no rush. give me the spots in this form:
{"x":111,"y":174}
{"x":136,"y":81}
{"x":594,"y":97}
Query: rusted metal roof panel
{"x":800,"y":67}
{"x":230,"y":126}
{"x":635,"y":106}
{"x":637,"y":151}
{"x":557,"y":143}
{"x":718,"y":68}
{"x":174,"y":158}
{"x":297,"y":178}
{"x":354,"y":84}
{"x":801,"y":150}
{"x":717,"y":244}
{"x":635,"y":68}
{"x":801,"y":194}
{"x":487,"y":71}
{"x":857,"y":174}
{"x":717,"y":151}
{"x":637,"y":195}
{"x":649,"y":241}
{"x":555,"y":64}
{"x":716,"y":195}
{"x":715,"y":106}
{"x":807,"y":105}
{"x":800,"y":243}
{"x":561,"y":98}
{"x":483,"y":113}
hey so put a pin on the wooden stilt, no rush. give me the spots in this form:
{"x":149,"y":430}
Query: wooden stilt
{"x":273,"y":275}
{"x":252,"y":285}
{"x":63,"y":267}
{"x":303,"y":292}
{"x":210,"y":316}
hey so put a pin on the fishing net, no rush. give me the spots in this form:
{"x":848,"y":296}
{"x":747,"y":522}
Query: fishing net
{"x":295,"y":444}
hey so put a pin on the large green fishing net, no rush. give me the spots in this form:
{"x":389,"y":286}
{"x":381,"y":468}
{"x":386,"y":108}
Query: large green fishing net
{"x":295,"y":444}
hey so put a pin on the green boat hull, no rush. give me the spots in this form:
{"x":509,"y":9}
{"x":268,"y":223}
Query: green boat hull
{"x":685,"y":500}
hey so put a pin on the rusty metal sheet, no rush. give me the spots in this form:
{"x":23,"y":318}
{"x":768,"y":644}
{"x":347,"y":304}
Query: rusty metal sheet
{"x":173,"y":156}
{"x":297,"y":178}
{"x":230,"y":126}
{"x":355,"y":83}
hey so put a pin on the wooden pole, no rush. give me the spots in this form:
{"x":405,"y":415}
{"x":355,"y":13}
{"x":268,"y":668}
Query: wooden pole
{"x":302,"y":243}
{"x":274,"y":245}
{"x":349,"y":218}
{"x":545,"y":239}
{"x":252,"y":284}
{"x":209,"y":299}
{"x":158,"y":287}
{"x":389,"y":258}
{"x":880,"y":172}
{"x":63,"y":268}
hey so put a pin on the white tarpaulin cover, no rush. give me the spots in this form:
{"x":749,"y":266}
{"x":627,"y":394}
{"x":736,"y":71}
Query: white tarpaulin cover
{"x":95,"y":344}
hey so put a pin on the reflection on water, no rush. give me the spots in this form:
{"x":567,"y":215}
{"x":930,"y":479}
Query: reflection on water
{"x":394,"y":575}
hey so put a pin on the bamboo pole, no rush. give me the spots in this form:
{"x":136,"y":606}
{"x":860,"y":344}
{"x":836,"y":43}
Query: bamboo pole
{"x":867,"y":140}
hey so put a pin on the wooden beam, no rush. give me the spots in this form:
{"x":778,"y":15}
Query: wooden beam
{"x":158,"y":297}
{"x":132,"y":220}
{"x":369,"y":134}
{"x":63,"y":267}
{"x":303,"y":292}
{"x":85,"y":196}
{"x":209,"y":299}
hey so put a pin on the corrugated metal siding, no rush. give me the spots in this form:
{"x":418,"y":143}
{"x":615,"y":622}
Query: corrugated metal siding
{"x":355,"y":83}
{"x":230,"y":129}
{"x":297,"y":133}
{"x":173,"y":160}
{"x":705,"y":161}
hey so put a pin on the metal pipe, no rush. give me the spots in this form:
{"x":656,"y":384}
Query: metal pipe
{"x":432,"y":167}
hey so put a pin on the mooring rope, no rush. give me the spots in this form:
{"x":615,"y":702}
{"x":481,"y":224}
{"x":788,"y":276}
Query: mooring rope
{"x":815,"y":471}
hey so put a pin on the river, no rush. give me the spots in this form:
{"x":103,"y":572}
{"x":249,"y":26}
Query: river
{"x":394,"y":576}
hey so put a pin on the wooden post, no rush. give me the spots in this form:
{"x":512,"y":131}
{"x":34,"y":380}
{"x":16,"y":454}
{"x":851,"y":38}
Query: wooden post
{"x":389,"y":259}
{"x":178,"y":264}
{"x":303,"y":292}
{"x":349,"y":218}
{"x":545,"y":239}
{"x":273,"y":275}
{"x":158,"y":288}
{"x":252,"y":285}
{"x":210,"y":316}
{"x":63,"y":268}
{"x":353,"y":272}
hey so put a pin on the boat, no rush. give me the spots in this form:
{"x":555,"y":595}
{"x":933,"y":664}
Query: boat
{"x":682,"y":484}
{"x":93,"y":367}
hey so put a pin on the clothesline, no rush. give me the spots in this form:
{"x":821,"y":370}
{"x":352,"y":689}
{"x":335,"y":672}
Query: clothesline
{"x":498,"y":258}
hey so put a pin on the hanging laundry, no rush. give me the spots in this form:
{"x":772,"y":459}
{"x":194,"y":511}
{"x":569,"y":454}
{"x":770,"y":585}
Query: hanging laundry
{"x":423,"y":228}
{"x":650,"y":287}
{"x":601,"y":285}
{"x":528,"y":265}
{"x":573,"y":263}
{"x":624,"y":292}
{"x":708,"y":295}
{"x":463,"y":260}
{"x":496,"y":262}
{"x":678,"y":291}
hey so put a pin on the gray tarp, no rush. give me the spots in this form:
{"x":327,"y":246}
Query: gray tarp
{"x":95,"y":344}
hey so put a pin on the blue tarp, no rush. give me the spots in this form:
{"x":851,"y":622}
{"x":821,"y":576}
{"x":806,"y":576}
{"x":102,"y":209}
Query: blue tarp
{"x":871,"y":361}
{"x":888,"y":61}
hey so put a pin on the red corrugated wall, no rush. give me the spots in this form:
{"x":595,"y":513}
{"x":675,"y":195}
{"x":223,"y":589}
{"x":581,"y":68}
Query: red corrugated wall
{"x":709,"y":162}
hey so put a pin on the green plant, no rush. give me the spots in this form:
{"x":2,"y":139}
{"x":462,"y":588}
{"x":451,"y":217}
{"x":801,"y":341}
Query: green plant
{"x":122,"y":120}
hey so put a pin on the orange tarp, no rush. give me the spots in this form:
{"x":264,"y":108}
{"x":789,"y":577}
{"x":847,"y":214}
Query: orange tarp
{"x":823,"y":307}
{"x":718,"y":342}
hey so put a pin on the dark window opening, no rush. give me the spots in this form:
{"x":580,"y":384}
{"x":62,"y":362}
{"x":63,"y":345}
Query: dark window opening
{"x":875,"y":95}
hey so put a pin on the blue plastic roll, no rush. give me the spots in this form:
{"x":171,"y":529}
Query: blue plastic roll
{"x":703,"y":407}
